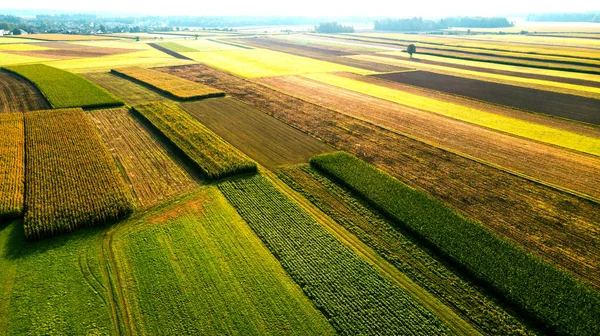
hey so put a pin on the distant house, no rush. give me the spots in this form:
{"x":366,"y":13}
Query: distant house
{"x":3,"y":32}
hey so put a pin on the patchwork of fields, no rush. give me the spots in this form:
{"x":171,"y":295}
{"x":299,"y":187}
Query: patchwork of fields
{"x":223,"y":183}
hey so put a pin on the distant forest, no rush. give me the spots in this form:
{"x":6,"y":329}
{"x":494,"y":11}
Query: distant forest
{"x":418,"y":24}
{"x":565,"y":17}
{"x":332,"y":28}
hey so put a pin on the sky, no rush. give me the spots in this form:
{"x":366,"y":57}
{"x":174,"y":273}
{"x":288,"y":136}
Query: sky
{"x":430,"y":8}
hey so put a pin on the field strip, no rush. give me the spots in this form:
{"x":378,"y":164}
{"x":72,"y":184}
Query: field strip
{"x":444,"y":313}
{"x":509,"y":125}
{"x":455,"y":152}
{"x":581,"y":90}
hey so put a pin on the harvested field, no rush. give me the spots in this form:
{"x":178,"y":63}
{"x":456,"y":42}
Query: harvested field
{"x":172,"y":86}
{"x":66,"y":37}
{"x":551,"y":103}
{"x":18,"y":95}
{"x":547,"y":163}
{"x":561,"y":228}
{"x":399,"y":249}
{"x":175,"y":47}
{"x":72,"y":52}
{"x":265,"y":139}
{"x":323,"y":53}
{"x":12,"y":165}
{"x":149,"y":167}
{"x":126,"y":90}
{"x":72,"y":180}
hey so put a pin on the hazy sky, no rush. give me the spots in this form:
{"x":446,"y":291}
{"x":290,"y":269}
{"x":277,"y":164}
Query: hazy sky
{"x":311,"y":7}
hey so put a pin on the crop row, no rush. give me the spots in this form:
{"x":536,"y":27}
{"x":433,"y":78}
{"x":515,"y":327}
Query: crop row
{"x":212,"y":155}
{"x":553,"y":297}
{"x":64,"y":89}
{"x":12,"y":146}
{"x":357,"y":299}
{"x":72,"y":180}
{"x":170,"y":85}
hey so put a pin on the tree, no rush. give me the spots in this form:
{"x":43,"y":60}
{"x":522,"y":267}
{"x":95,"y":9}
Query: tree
{"x":411,"y":49}
{"x":137,"y":39}
{"x":16,"y":31}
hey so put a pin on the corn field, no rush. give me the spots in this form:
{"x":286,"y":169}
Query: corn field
{"x":12,"y":147}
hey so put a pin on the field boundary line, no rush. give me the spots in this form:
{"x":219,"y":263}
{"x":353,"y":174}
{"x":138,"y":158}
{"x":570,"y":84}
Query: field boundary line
{"x":463,"y":155}
{"x":431,"y":303}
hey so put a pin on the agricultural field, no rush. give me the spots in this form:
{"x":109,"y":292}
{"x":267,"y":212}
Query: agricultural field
{"x":211,"y":155}
{"x":175,"y":87}
{"x":267,"y":140}
{"x":273,"y":181}
{"x":57,"y":86}
{"x":71,"y":179}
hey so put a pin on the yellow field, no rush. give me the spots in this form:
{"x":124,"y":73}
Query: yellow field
{"x":66,"y":37}
{"x":204,"y":45}
{"x":497,"y":122}
{"x":264,"y":63}
{"x":529,"y":39}
{"x":22,"y":47}
{"x":526,"y":82}
{"x":126,"y":44}
{"x":13,"y":40}
{"x":10,"y":59}
{"x":146,"y":58}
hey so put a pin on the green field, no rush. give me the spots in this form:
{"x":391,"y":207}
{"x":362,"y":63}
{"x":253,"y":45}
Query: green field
{"x":550,"y":295}
{"x":58,"y":87}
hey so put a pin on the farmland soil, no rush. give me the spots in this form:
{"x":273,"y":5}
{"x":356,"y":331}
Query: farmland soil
{"x":18,"y":95}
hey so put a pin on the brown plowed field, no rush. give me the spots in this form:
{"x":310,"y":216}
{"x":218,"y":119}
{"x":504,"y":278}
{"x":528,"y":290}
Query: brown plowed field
{"x":18,"y":95}
{"x":148,"y":166}
{"x":560,"y":228}
{"x":265,"y":139}
{"x":70,"y":53}
{"x":547,"y":163}
{"x":542,"y":119}
{"x":551,"y":103}
{"x":501,"y":72}
{"x":323,"y":53}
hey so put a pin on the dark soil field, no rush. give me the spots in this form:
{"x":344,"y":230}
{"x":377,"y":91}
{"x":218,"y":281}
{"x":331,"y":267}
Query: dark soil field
{"x":265,"y":139}
{"x":551,"y":103}
{"x":558,"y":227}
{"x":18,"y":95}
{"x":320,"y":52}
{"x":169,"y":51}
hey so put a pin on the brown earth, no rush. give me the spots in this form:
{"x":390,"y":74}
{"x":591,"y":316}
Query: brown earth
{"x":551,"y":103}
{"x":18,"y":95}
{"x":265,"y":139}
{"x":542,"y":119}
{"x":323,"y":53}
{"x":558,"y":227}
{"x":547,"y":163}
{"x":70,"y":53}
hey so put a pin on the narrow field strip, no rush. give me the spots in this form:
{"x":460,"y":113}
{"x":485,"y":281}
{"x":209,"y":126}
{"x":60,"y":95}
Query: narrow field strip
{"x":550,"y":295}
{"x":213,"y":156}
{"x":64,"y":89}
{"x":131,"y":93}
{"x":12,"y":165}
{"x":509,"y":125}
{"x":195,"y":267}
{"x":381,"y":235}
{"x":356,"y":297}
{"x":72,"y":180}
{"x":19,"y":95}
{"x":173,"y":86}
{"x":150,"y":169}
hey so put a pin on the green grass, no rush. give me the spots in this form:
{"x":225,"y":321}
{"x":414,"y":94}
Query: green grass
{"x":52,"y":287}
{"x":64,"y":89}
{"x":214,"y":157}
{"x":553,"y":297}
{"x":398,"y":248}
{"x":354,"y":295}
{"x":176,"y":47}
{"x":197,"y":268}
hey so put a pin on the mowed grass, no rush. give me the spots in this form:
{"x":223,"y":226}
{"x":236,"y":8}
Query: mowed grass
{"x":211,"y":155}
{"x":131,"y":93}
{"x":357,"y":298}
{"x":52,"y":287}
{"x":173,"y":86}
{"x":196,"y":268}
{"x":64,"y":89}
{"x":72,"y":180}
{"x":552,"y":296}
{"x":264,"y":63}
{"x":494,"y":121}
{"x":265,"y":139}
{"x":12,"y":165}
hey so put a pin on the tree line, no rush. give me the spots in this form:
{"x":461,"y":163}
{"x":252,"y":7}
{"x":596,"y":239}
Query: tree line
{"x":418,"y":24}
